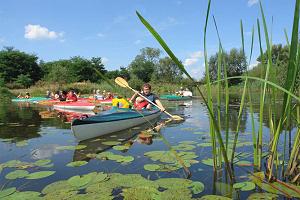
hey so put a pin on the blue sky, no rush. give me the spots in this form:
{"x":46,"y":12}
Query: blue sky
{"x":60,"y":29}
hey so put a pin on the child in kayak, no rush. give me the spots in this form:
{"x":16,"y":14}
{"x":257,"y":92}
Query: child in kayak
{"x":140,"y":103}
{"x":71,"y":96}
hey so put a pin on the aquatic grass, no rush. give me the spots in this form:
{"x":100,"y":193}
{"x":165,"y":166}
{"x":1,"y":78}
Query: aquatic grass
{"x":206,"y":102}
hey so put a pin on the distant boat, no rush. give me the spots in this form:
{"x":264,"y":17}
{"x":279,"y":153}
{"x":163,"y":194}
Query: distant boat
{"x":173,"y":97}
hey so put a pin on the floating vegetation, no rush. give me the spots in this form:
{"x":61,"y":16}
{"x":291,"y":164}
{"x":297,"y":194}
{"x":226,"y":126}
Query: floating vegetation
{"x":111,"y":143}
{"x":214,"y":197}
{"x":39,"y":175}
{"x":77,"y":163}
{"x":7,"y":192}
{"x":16,"y":174}
{"x":267,"y":196}
{"x":78,"y":147}
{"x":115,"y":157}
{"x":244,"y":186}
{"x":121,"y":147}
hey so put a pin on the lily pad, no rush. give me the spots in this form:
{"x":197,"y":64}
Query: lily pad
{"x":16,"y":174}
{"x":208,"y":161}
{"x":214,"y":197}
{"x":151,"y":167}
{"x":244,"y":186}
{"x":26,"y":195}
{"x":78,"y":147}
{"x":7,"y":192}
{"x":140,"y":193}
{"x":39,"y":175}
{"x":57,"y":186}
{"x":197,"y":187}
{"x":120,"y":147}
{"x":111,"y":143}
{"x":77,"y":163}
{"x":42,"y":163}
{"x":80,"y":181}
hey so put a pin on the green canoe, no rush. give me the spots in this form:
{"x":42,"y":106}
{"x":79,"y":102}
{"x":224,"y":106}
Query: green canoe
{"x":32,"y":99}
{"x":172,"y":97}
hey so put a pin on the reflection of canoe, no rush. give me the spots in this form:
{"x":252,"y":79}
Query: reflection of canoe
{"x":32,"y":99}
{"x":78,"y":105}
{"x":75,"y":112}
{"x":94,"y":146}
{"x":110,"y":121}
{"x":172,"y":97}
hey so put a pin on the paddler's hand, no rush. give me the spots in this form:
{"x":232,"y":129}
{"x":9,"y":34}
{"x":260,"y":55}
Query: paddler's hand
{"x":162,"y":109}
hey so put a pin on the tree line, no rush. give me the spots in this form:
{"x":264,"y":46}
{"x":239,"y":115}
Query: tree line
{"x":19,"y":69}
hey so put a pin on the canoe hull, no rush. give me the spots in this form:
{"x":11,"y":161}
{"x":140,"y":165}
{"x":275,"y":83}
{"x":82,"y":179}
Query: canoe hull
{"x":87,"y":131}
{"x":75,"y":107}
{"x":175,"y":98}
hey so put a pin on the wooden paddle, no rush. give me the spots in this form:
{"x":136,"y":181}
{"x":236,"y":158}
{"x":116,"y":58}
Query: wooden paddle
{"x":123,"y":83}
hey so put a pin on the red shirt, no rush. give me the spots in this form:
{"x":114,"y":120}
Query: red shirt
{"x":71,"y":97}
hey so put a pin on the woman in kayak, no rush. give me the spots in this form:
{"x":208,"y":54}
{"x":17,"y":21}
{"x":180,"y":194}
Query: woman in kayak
{"x":146,"y":92}
{"x":71,"y":96}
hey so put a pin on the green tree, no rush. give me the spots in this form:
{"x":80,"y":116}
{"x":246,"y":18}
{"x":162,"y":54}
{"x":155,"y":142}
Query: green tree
{"x":60,"y":73}
{"x":123,"y":72}
{"x":167,"y":71}
{"x":280,"y":59}
{"x":24,"y":80}
{"x":14,"y":63}
{"x":145,"y":63}
{"x":235,"y":62}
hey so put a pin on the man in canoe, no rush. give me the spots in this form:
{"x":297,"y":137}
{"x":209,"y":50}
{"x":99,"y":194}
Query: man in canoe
{"x":146,"y":92}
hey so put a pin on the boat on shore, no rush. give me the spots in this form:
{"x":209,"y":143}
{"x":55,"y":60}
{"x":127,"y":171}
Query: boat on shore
{"x":173,"y":97}
{"x":32,"y":99}
{"x":111,"y":121}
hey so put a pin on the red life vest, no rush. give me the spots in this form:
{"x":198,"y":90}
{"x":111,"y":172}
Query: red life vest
{"x":141,"y":105}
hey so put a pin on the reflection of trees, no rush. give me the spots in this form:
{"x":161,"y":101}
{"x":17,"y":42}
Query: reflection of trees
{"x":18,"y":122}
{"x":233,"y":118}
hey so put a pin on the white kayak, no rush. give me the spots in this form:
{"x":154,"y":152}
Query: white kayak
{"x":111,"y":121}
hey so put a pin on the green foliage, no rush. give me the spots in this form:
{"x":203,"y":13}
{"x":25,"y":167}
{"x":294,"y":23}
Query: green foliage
{"x":123,"y":72}
{"x":235,"y":62}
{"x":135,"y":82}
{"x":145,"y":63}
{"x":168,"y":70}
{"x":24,"y":80}
{"x":14,"y":63}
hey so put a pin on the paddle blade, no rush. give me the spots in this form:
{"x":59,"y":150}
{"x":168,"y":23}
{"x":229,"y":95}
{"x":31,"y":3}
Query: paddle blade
{"x":177,"y":118}
{"x":121,"y":82}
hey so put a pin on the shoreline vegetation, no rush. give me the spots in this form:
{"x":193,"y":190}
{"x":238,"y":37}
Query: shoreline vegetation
{"x":227,"y":76}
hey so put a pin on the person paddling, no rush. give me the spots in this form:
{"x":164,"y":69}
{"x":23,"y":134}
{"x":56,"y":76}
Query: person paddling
{"x":146,"y":91}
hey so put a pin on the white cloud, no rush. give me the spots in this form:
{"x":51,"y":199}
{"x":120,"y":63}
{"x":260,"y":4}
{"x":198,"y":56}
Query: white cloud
{"x":193,"y":58}
{"x":252,"y":65}
{"x":252,"y":2}
{"x":38,"y":32}
{"x":104,"y":60}
{"x":100,"y":35}
{"x":137,"y":42}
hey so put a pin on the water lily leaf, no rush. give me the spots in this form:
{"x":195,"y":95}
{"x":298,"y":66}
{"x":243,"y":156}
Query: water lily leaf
{"x":169,"y":183}
{"x":61,"y":194}
{"x":151,"y":167}
{"x":184,"y":147}
{"x":200,"y":133}
{"x":140,"y":193}
{"x":197,"y":187}
{"x":11,"y":163}
{"x":38,"y":175}
{"x":78,"y":147}
{"x":244,"y":186}
{"x":26,"y":195}
{"x":208,"y":161}
{"x":7,"y":192}
{"x":204,"y":144}
{"x":100,"y":177}
{"x":176,"y":194}
{"x":80,"y":181}
{"x":214,"y":197}
{"x":188,"y":142}
{"x":111,"y":143}
{"x":120,"y":147}
{"x":16,"y":174}
{"x":126,"y":159}
{"x":57,"y":186}
{"x":266,"y":196}
{"x":77,"y":163}
{"x":42,"y":163}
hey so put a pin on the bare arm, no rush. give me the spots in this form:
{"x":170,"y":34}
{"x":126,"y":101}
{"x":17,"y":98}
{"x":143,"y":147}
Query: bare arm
{"x":133,"y":97}
{"x":160,"y":106}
